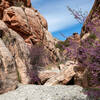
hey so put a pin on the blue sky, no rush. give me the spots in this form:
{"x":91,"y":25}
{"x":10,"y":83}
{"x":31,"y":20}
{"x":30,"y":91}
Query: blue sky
{"x":59,"y":18}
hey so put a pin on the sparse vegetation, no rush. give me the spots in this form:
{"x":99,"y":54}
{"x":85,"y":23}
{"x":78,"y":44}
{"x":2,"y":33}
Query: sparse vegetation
{"x":62,"y":44}
{"x":92,"y":36}
{"x":0,"y":1}
{"x":19,"y":3}
{"x":88,"y":54}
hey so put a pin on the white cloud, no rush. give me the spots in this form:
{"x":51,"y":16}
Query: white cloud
{"x":56,"y":13}
{"x":57,"y":23}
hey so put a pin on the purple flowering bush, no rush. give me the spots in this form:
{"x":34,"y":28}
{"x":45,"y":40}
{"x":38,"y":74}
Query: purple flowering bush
{"x":89,"y":57}
{"x":39,"y":56}
{"x":88,"y":53}
{"x":70,"y":45}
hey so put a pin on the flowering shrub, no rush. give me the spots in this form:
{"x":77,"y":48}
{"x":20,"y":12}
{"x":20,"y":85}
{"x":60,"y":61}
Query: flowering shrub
{"x":89,"y":57}
{"x":39,"y":56}
{"x":88,"y":54}
{"x":62,"y":44}
{"x":93,"y":93}
{"x":70,"y":45}
{"x":34,"y":77}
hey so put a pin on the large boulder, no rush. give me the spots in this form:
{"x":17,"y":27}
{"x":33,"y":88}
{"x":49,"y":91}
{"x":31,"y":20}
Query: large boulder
{"x":34,"y":92}
{"x":25,"y":21}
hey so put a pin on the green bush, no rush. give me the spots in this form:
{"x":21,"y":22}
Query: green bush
{"x":92,"y":36}
{"x":62,"y":44}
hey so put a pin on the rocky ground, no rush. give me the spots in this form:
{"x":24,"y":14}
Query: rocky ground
{"x":38,"y":92}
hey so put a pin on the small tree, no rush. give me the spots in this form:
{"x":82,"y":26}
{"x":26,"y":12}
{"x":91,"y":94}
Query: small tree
{"x":79,"y":15}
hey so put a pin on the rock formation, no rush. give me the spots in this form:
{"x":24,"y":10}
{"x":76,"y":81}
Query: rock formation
{"x":64,"y":76}
{"x":22,"y":30}
{"x":8,"y":73}
{"x":15,"y":58}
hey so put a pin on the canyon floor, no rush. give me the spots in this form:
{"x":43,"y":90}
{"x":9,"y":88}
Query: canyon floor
{"x":40,"y":92}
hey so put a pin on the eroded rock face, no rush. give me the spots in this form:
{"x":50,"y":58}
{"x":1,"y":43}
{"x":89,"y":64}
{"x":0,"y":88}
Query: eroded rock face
{"x":30,"y":25}
{"x":75,"y":38}
{"x":15,"y":59}
{"x":4,"y":4}
{"x":26,"y":3}
{"x":26,"y":23}
{"x":19,"y":51}
{"x":8,"y":71}
{"x":22,"y":28}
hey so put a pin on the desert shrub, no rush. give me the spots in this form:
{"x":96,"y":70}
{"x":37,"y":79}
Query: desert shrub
{"x":40,"y":56}
{"x":93,"y":93}
{"x":62,"y":44}
{"x":59,"y":45}
{"x":89,"y":57}
{"x":88,"y":54}
{"x":18,"y":3}
{"x":34,"y":77}
{"x":92,"y":36}
{"x":66,"y":43}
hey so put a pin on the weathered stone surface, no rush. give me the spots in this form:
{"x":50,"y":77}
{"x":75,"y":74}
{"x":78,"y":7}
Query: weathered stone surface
{"x":64,"y":76}
{"x":19,"y":51}
{"x":8,"y":71}
{"x":48,"y":72}
{"x":26,"y":22}
{"x":50,"y":45}
{"x":4,"y":4}
{"x":26,"y":3}
{"x":45,"y":75}
{"x":34,"y":92}
{"x":32,"y":27}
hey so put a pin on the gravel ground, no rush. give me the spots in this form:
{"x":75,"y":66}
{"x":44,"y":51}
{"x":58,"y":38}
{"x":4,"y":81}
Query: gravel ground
{"x":37,"y":92}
